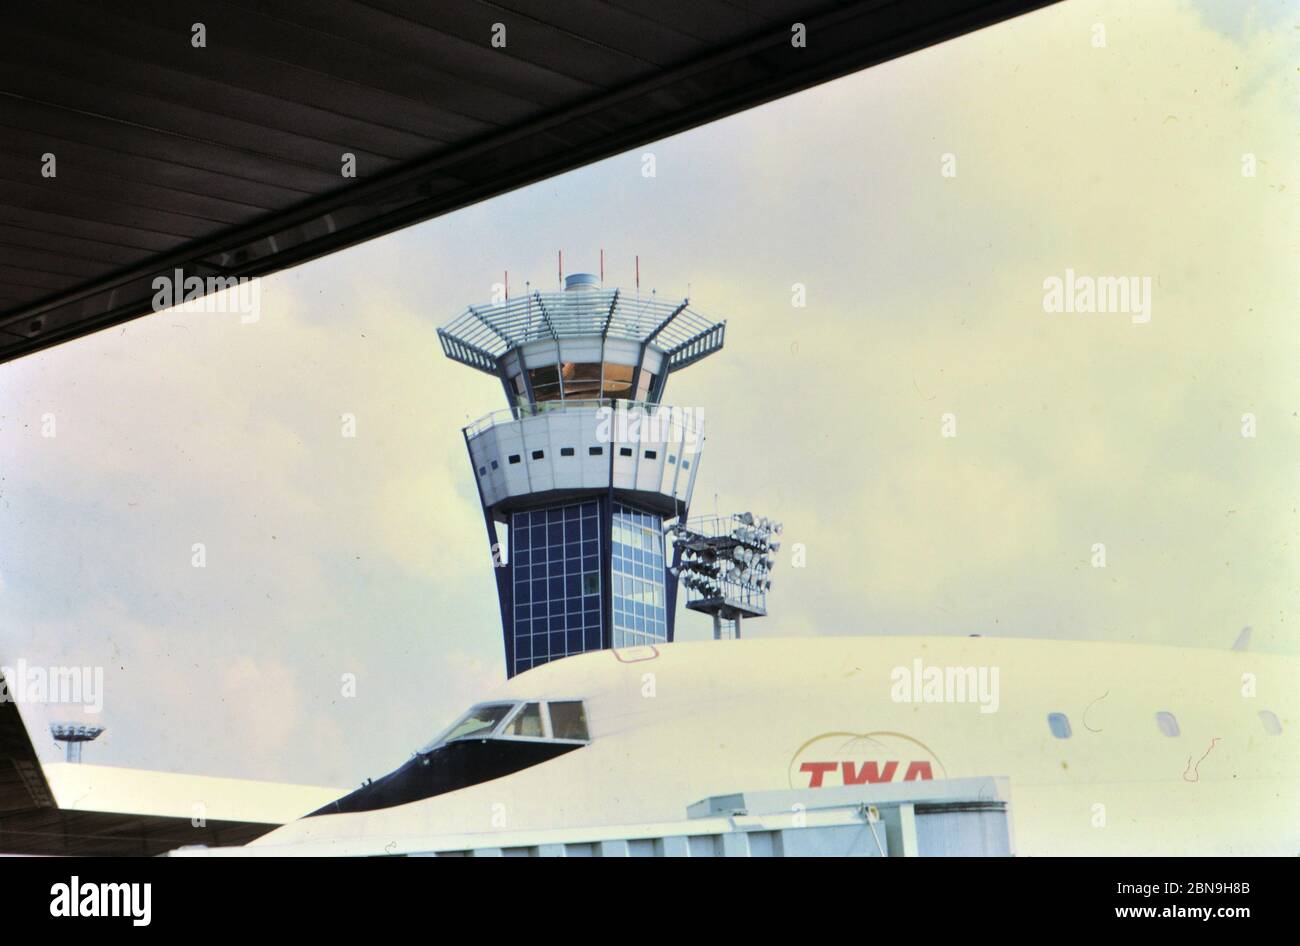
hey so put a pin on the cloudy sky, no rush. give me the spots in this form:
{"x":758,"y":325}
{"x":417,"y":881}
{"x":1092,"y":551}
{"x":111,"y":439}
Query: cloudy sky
{"x":328,"y":555}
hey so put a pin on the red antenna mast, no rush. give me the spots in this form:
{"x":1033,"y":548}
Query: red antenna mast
{"x":638,"y":273}
{"x":602,"y":264}
{"x":507,"y":284}
{"x":560,"y":264}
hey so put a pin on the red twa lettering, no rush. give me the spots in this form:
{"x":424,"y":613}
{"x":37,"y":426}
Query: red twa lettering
{"x":869,"y":773}
{"x":818,"y":771}
{"x":918,"y":771}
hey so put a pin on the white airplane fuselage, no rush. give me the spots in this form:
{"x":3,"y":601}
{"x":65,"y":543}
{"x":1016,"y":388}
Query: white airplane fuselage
{"x":1216,"y":772}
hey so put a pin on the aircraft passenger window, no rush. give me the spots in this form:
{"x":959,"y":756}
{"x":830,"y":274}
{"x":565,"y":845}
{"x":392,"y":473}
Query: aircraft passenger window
{"x":528,"y":722}
{"x":1059,"y":723}
{"x":1271,"y":722}
{"x":568,"y":720}
{"x":1168,"y":725}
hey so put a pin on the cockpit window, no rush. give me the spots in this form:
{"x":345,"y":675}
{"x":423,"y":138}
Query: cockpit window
{"x":479,"y":721}
{"x":518,"y":720}
{"x":491,"y":741}
{"x":527,"y":722}
{"x":569,"y":721}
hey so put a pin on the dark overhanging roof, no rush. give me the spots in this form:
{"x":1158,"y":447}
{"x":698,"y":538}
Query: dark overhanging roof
{"x":22,"y":780}
{"x":225,"y":161}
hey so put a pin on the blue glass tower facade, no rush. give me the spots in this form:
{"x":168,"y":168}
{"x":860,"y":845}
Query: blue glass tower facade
{"x":638,"y":578}
{"x":556,"y":582}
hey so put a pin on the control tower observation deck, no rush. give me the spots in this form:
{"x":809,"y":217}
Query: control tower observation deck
{"x":580,"y":474}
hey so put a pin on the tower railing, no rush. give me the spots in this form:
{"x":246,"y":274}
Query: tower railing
{"x":509,"y":415}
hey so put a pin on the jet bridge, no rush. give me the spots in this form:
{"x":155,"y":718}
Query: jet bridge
{"x":954,"y":817}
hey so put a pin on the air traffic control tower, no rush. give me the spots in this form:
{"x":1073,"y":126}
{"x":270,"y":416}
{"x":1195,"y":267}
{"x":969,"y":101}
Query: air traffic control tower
{"x":579,"y":475}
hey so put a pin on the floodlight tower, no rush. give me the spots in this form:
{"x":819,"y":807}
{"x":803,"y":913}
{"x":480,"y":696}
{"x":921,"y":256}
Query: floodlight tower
{"x":725,"y":562}
{"x":73,"y":736}
{"x":578,"y":476}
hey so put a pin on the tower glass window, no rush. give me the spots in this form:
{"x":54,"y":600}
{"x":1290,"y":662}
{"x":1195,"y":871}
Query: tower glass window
{"x":546,"y":382}
{"x":581,"y":380}
{"x":618,"y":380}
{"x":577,"y":381}
{"x":637,"y":575}
{"x":556,"y":566}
